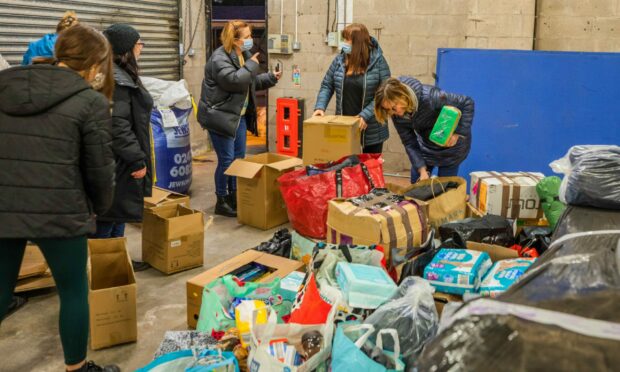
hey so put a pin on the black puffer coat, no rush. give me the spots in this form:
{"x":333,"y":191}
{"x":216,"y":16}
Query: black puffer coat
{"x":56,"y":160}
{"x":415,"y":130}
{"x":225,"y":86}
{"x":131,"y":130}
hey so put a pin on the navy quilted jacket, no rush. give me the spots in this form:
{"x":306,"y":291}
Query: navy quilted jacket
{"x":414,"y":130}
{"x":378,"y":70}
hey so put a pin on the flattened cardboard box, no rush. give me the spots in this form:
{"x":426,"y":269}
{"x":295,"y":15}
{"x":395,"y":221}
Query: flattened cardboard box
{"x":507,"y":194}
{"x":112,"y":294}
{"x":350,"y":224}
{"x":33,"y":263}
{"x":161,"y":197}
{"x":280,"y":267}
{"x":173,"y":238}
{"x":259,"y":200}
{"x":496,"y":253}
{"x":330,"y":137}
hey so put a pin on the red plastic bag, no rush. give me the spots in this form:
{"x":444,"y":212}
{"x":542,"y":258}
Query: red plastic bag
{"x":307,"y":197}
{"x":312,"y":309}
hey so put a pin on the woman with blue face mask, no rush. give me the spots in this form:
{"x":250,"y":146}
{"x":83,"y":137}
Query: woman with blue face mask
{"x":355,"y":74}
{"x":227,"y":108}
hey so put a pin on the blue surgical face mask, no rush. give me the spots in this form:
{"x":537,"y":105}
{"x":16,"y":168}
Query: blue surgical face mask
{"x":346,"y":47}
{"x":247,"y":44}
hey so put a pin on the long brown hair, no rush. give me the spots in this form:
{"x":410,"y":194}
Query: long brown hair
{"x":358,"y":60}
{"x":69,"y":19}
{"x":231,"y":32}
{"x":393,"y":90}
{"x":81,"y":48}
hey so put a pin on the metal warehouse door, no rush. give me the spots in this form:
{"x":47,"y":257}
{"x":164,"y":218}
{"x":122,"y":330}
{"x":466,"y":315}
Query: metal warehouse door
{"x":23,"y":21}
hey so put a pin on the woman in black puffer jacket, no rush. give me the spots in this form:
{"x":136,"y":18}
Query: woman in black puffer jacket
{"x":131,"y":135}
{"x":57,"y":172}
{"x":227,"y":107}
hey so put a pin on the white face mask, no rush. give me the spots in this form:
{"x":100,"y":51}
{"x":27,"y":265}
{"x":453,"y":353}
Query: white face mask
{"x":346,"y":47}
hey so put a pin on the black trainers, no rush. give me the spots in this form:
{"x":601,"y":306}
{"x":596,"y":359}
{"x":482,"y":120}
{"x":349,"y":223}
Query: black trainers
{"x":223,"y":208}
{"x":90,"y":366}
{"x":139,"y":266}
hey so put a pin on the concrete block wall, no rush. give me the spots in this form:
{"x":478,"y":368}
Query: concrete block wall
{"x":409,"y":31}
{"x":585,"y":25}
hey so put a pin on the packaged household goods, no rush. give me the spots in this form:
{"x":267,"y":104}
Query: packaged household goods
{"x":457,"y":271}
{"x":364,"y":286}
{"x":504,"y":274}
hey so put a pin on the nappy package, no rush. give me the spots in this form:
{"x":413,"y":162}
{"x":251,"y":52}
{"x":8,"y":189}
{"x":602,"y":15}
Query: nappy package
{"x":364,"y":286}
{"x":457,"y":271}
{"x":503,"y":274}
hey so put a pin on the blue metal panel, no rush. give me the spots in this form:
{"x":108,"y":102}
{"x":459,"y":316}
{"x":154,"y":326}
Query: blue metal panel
{"x":531,"y":106}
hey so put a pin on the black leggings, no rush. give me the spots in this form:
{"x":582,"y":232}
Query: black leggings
{"x":67,"y":260}
{"x":377,"y":148}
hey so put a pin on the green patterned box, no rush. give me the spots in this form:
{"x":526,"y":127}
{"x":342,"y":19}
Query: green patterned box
{"x":445,"y":125}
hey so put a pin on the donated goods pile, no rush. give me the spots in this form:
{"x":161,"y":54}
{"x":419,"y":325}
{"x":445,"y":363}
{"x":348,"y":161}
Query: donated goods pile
{"x":386,"y":278}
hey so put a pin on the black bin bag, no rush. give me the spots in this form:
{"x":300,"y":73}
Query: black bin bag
{"x":490,"y":229}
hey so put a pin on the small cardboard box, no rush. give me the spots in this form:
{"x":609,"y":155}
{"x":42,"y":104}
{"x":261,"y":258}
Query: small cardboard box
{"x":259,"y":201}
{"x":161,"y":197}
{"x":280,"y":267}
{"x":507,"y":194}
{"x":173,"y":238}
{"x":112,"y":294}
{"x":496,"y":253}
{"x":331,"y":137}
{"x":396,"y":225}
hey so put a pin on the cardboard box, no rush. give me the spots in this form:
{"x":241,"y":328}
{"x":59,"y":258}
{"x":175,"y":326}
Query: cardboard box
{"x":330,"y":137}
{"x":33,"y":263}
{"x":507,"y":194}
{"x":496,"y":253}
{"x":33,"y":283}
{"x":280,"y":267}
{"x":161,"y":197}
{"x":259,"y":201}
{"x":398,"y":225}
{"x":173,"y":238}
{"x":111,"y":294}
{"x":472,"y":212}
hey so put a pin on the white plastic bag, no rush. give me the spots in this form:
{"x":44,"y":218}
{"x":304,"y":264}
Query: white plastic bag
{"x":168,"y":93}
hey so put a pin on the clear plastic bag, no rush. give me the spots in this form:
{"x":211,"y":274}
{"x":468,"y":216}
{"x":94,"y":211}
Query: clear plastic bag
{"x":591,"y":176}
{"x":412,"y":313}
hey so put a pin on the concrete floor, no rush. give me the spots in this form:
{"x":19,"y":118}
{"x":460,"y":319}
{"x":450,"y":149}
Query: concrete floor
{"x":29,"y":339}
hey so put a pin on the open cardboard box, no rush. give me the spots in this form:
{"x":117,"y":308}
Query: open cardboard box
{"x":279,"y":267}
{"x":259,"y":200}
{"x":173,"y":238}
{"x":496,"y":253}
{"x":112,"y":294}
{"x":161,"y":197}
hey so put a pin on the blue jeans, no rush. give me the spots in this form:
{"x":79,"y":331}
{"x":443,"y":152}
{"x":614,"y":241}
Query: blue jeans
{"x":450,"y":171}
{"x":227,"y":150}
{"x":107,"y":230}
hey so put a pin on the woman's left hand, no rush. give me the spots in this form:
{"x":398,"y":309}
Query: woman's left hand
{"x":453,"y":140}
{"x":363,"y":124}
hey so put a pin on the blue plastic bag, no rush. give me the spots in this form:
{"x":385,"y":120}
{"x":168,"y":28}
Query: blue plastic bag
{"x":348,"y":356}
{"x":185,"y":361}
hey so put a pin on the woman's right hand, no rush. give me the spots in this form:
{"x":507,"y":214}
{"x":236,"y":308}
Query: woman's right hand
{"x":318,"y":113}
{"x":139,"y":174}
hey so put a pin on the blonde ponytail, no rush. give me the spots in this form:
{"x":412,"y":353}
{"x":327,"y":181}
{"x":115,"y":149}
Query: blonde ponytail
{"x":231,"y":32}
{"x":69,"y":19}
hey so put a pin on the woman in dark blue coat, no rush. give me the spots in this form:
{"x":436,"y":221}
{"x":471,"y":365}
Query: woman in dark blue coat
{"x":414,"y":108}
{"x":355,"y":75}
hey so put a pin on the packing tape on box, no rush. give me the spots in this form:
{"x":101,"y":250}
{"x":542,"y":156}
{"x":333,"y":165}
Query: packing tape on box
{"x":573,"y":323}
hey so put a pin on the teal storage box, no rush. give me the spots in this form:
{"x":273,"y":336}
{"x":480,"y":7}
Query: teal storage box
{"x":289,"y":285}
{"x":457,"y":271}
{"x":364,"y":286}
{"x":503,"y":274}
